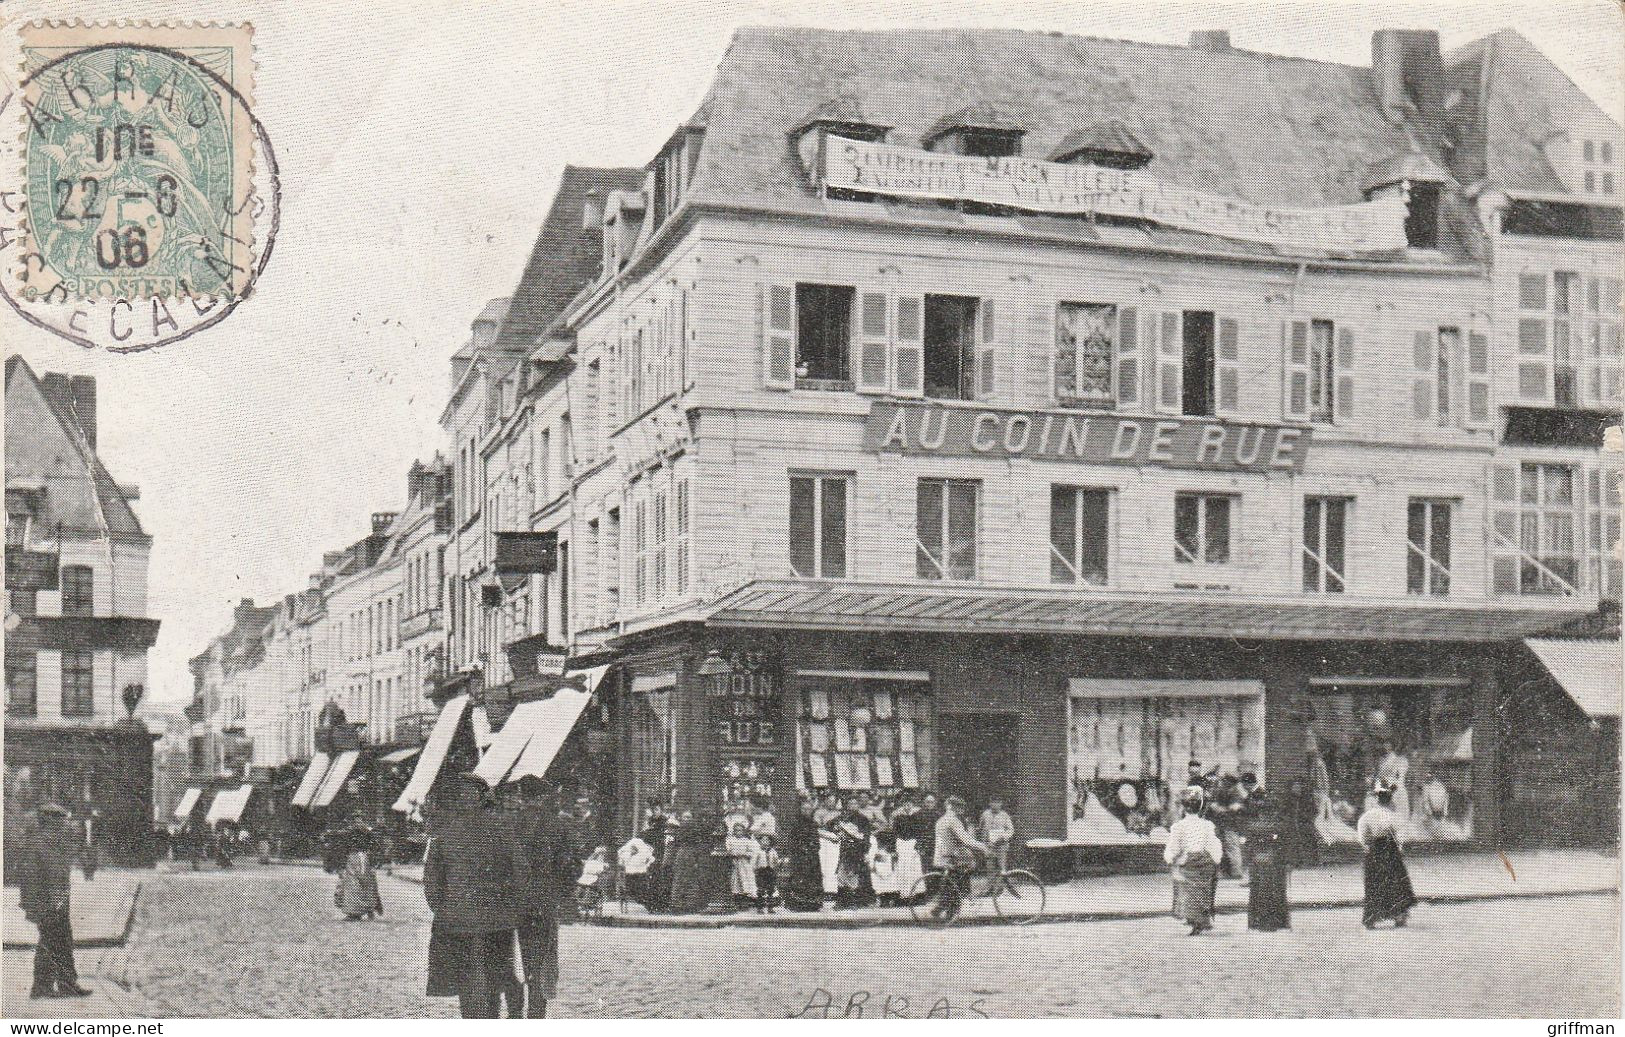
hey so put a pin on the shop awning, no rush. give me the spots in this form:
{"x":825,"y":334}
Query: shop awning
{"x":315,"y":771}
{"x":785,"y":604}
{"x":531,"y":738}
{"x":334,"y":782}
{"x":401,"y":755}
{"x":1590,"y":671}
{"x":433,"y":756}
{"x":229,"y":805}
{"x":188,"y":803}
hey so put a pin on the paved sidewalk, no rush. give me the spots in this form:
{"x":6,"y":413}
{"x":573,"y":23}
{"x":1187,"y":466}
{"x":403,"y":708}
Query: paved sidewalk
{"x":102,"y":911}
{"x":101,"y":971}
{"x":1439,"y":878}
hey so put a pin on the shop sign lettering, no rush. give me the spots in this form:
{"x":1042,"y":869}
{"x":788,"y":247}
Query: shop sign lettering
{"x":1055,"y":187}
{"x":744,"y":706}
{"x":1203,"y":443}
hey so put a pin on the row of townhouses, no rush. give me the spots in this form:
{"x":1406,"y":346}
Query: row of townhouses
{"x":1019,"y":414}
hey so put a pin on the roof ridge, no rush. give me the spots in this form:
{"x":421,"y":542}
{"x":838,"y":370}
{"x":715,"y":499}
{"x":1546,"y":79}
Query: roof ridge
{"x":767,"y":30}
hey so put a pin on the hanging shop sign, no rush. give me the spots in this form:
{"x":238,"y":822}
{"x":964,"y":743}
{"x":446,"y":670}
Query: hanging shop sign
{"x":1054,"y":187}
{"x":1205,"y":444}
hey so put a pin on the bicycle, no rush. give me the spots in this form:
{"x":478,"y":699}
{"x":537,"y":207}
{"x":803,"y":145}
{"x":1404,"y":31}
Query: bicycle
{"x":1018,"y":895}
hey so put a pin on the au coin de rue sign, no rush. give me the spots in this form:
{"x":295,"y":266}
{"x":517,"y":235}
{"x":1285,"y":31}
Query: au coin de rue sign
{"x":1092,"y":438}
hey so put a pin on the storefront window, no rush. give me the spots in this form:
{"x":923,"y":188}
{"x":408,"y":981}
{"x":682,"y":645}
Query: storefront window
{"x":1417,"y":738}
{"x":864,"y":735}
{"x":1130,"y":744}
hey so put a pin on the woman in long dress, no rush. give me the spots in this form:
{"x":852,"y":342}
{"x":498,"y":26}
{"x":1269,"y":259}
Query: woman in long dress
{"x":1193,"y":850}
{"x":906,"y":823}
{"x":1388,"y":892}
{"x":358,"y":887}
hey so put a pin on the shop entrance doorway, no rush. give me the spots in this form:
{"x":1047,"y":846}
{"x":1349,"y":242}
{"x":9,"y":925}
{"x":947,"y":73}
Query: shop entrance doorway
{"x":977,"y":759}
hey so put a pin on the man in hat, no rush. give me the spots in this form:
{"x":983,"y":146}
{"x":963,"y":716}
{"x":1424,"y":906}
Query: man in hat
{"x":45,"y":875}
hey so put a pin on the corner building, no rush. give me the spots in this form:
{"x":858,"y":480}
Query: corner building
{"x":896,"y":464}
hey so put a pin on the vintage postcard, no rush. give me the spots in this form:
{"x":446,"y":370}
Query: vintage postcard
{"x":839,"y":511}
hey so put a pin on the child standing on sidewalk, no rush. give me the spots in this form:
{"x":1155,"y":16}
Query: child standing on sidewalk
{"x":768,"y":862}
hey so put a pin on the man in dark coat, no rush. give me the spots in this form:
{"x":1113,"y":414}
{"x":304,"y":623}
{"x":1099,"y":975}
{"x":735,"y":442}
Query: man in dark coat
{"x":477,"y":882}
{"x":45,"y":875}
{"x":551,"y":866}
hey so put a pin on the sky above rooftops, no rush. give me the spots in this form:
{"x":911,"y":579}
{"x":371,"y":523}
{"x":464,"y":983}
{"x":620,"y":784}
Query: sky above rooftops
{"x":420,"y":146}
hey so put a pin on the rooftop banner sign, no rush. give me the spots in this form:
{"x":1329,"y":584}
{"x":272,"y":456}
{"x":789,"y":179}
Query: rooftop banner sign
{"x":1200,"y":443}
{"x":1054,"y":187}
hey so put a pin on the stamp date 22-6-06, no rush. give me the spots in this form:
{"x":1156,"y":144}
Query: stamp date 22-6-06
{"x":137,"y":151}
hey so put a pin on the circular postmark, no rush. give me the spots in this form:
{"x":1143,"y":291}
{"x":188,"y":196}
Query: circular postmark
{"x":139,"y":195}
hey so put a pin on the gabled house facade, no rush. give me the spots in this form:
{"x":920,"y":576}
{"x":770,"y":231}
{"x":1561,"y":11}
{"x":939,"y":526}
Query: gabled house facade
{"x":1036,"y":434}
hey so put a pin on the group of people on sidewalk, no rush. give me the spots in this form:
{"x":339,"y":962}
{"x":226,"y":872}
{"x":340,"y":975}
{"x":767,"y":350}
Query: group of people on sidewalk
{"x":1216,"y":825}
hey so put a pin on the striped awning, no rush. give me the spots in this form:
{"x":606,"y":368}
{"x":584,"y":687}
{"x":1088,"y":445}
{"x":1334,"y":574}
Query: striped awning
{"x":334,"y":782}
{"x":315,"y":771}
{"x":532,"y":737}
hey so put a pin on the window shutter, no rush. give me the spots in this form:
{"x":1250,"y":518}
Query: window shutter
{"x":1170,"y":353}
{"x":779,"y":336}
{"x":1477,"y":413}
{"x":1295,"y":370}
{"x":1345,"y":373}
{"x":874,"y":344}
{"x":908,"y":379}
{"x":986,"y":360}
{"x":1422,"y":378}
{"x":1227,"y":367}
{"x":1128,"y":357}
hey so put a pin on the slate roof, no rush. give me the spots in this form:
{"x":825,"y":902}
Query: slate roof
{"x":565,"y":256}
{"x":1513,"y":97}
{"x":1257,"y":127}
{"x":42,"y":443}
{"x":904,"y":607}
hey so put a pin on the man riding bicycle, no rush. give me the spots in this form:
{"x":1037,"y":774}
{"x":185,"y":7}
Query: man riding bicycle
{"x":958,"y":854}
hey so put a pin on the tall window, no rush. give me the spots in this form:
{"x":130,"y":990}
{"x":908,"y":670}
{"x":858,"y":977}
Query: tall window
{"x":1448,"y":352}
{"x":824,"y":332}
{"x":1427,"y":547}
{"x":564,"y":592}
{"x":818,"y":526}
{"x":1325,"y":528}
{"x":22,"y":684}
{"x":945,"y":524}
{"x":1322,"y":377}
{"x":1086,"y":356}
{"x":78,"y":684}
{"x":1198,"y":362}
{"x":1079,"y":534}
{"x":950,"y":347}
{"x":1202,"y":528}
{"x":78,"y":590}
{"x":1549,"y":562}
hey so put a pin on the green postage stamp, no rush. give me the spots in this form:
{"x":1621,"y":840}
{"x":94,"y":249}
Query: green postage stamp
{"x":138,"y":145}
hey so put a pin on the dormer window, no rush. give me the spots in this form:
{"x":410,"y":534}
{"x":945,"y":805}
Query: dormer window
{"x":1110,"y":144}
{"x":840,"y":117}
{"x":979,"y":132}
{"x":1419,"y":181}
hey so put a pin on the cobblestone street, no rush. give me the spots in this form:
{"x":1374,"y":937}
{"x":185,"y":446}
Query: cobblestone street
{"x":267,"y":942}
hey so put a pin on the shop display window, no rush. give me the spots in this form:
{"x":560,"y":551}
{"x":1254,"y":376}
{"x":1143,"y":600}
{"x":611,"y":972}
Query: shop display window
{"x":856,"y":735}
{"x":1128,"y":758}
{"x":1419,"y":739}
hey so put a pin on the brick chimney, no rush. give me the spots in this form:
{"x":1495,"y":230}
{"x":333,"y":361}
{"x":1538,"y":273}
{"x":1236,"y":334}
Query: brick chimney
{"x":1408,"y":73}
{"x":381,"y":521}
{"x":592,"y":211}
{"x":1217,"y":40}
{"x":75,"y":397}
